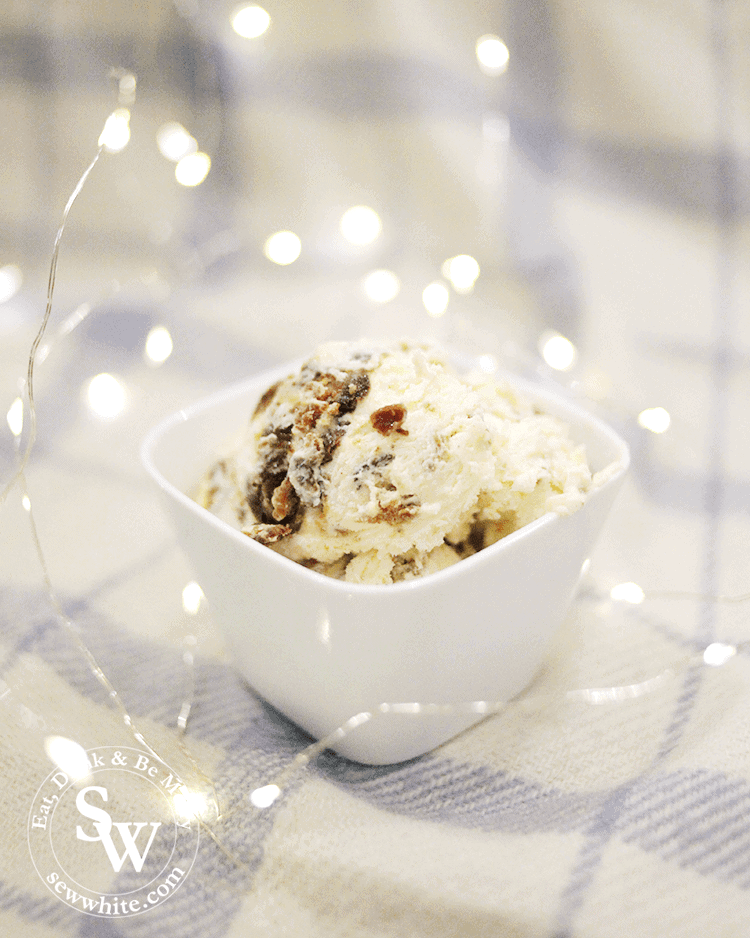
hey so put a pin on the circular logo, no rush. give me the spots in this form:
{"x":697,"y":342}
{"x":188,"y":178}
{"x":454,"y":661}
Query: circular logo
{"x":117,"y":835}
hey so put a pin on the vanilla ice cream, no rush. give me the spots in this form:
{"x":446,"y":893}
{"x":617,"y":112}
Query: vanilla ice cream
{"x":375,"y":464}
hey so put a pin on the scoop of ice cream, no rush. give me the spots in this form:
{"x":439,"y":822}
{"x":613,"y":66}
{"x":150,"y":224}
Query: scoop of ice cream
{"x":376,"y":464}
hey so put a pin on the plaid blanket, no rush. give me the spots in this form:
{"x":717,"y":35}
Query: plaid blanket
{"x":557,"y":817}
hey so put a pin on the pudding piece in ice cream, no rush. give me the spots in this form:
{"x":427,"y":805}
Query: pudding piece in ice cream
{"x":375,"y":464}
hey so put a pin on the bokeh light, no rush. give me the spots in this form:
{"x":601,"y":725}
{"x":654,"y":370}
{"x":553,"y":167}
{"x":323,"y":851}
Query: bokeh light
{"x":159,"y":345}
{"x":462,"y":271}
{"x":283,"y":248}
{"x":250,"y":21}
{"x":106,"y":396}
{"x":435,"y":297}
{"x":174,"y":142}
{"x":492,"y":54}
{"x":557,"y":351}
{"x":361,"y":225}
{"x":381,"y":286}
{"x":192,"y":169}
{"x":655,"y":419}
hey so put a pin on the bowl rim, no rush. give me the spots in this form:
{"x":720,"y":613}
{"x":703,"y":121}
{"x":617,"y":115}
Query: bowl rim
{"x":558,"y":401}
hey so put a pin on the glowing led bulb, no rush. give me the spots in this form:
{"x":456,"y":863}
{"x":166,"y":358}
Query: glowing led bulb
{"x":381,"y":286}
{"x":462,"y":271}
{"x":15,"y":417}
{"x":655,"y":419}
{"x":283,"y":248}
{"x":192,"y":596}
{"x":11,"y":279}
{"x":158,"y":345}
{"x":718,"y":653}
{"x":492,"y":54}
{"x":361,"y":225}
{"x":68,"y":755}
{"x":435,"y":297}
{"x":627,"y":593}
{"x":558,"y":352}
{"x":264,"y":797}
{"x":192,"y":169}
{"x":174,"y":142}
{"x":116,"y":133}
{"x":106,"y":396}
{"x":192,"y":805}
{"x":250,"y":21}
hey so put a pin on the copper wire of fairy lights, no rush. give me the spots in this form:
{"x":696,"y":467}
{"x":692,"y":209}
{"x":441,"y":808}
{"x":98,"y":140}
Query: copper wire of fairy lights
{"x":19,"y":479}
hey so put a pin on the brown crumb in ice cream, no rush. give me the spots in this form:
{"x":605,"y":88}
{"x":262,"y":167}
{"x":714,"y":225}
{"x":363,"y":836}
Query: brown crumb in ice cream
{"x":389,"y":419}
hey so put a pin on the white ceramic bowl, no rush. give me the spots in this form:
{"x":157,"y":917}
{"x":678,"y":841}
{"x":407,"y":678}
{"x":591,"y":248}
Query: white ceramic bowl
{"x":322,"y":650}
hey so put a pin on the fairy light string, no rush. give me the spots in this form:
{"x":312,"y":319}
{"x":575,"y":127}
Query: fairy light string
{"x":19,"y":474}
{"x":126,"y":85}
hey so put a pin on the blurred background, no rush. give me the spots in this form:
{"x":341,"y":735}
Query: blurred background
{"x":466,"y":130}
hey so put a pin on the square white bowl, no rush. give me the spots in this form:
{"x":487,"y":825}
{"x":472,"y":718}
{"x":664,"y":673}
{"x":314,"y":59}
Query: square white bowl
{"x":322,"y":650}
